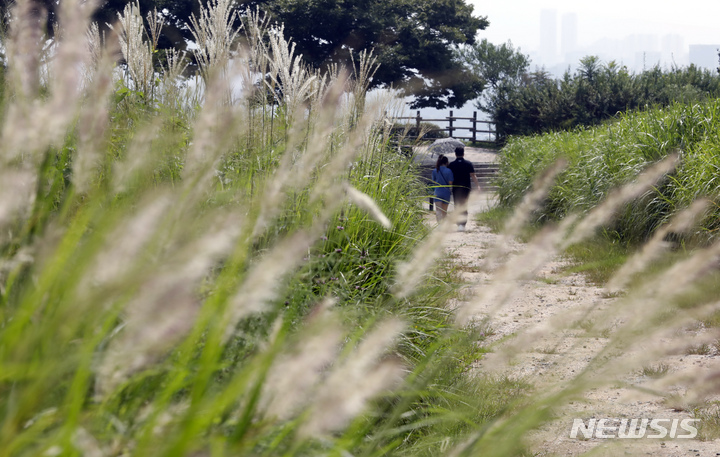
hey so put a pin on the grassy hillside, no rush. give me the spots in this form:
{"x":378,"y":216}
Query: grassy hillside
{"x":601,"y":158}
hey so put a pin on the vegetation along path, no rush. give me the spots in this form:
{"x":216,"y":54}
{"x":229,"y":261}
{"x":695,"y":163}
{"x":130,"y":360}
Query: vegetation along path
{"x":552,"y":330}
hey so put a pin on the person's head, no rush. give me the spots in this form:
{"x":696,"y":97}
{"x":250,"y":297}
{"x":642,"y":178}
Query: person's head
{"x":442,"y":160}
{"x":460,"y":151}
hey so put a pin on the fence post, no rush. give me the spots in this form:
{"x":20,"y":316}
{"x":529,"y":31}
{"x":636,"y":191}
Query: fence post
{"x":417,"y":124}
{"x":450,"y":122}
{"x":474,"y":129}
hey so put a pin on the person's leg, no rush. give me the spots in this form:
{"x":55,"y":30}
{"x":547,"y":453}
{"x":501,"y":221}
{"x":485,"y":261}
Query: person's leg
{"x":440,"y":210}
{"x":443,"y":210}
{"x":460,"y":197}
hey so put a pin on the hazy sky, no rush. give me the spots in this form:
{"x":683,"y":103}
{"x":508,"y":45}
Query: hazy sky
{"x":698,"y":21}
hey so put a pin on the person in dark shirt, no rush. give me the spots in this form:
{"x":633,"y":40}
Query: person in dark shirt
{"x":464,"y":173}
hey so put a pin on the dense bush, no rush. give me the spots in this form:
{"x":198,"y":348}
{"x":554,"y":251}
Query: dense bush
{"x":596,"y":92}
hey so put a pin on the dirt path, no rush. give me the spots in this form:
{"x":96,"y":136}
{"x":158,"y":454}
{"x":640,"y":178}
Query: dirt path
{"x":547,"y":334}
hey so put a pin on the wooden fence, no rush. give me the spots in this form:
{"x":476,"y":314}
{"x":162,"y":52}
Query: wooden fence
{"x":479,"y":130}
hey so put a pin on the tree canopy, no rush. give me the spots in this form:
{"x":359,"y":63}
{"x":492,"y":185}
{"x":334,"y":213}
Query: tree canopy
{"x":413,"y":40}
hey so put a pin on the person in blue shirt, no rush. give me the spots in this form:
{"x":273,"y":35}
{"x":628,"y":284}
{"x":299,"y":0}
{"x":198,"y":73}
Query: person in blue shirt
{"x":443,"y":180}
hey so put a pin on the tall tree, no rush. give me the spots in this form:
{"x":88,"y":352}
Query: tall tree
{"x":497,"y":66}
{"x":412,"y":39}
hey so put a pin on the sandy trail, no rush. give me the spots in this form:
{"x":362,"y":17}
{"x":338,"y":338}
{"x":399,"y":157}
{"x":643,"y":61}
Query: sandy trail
{"x":549,"y":332}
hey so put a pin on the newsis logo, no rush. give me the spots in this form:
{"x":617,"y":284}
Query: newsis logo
{"x":634,"y":428}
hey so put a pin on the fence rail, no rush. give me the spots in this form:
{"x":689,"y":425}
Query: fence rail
{"x":479,"y":130}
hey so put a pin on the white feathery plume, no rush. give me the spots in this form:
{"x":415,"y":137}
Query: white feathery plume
{"x":288,"y":72}
{"x":262,"y":283}
{"x":296,"y":169}
{"x":215,"y":36}
{"x":550,"y":241}
{"x":95,"y":51}
{"x":17,"y":193}
{"x":297,"y":374}
{"x":20,"y":139}
{"x":165,"y":308}
{"x":521,"y":215}
{"x":211,"y":129}
{"x":367,"y":204}
{"x":128,"y":242}
{"x":24,"y":49}
{"x":135,"y":50}
{"x":410,"y":273}
{"x":362,"y":375}
{"x":652,"y":250}
{"x":94,"y":119}
{"x":138,"y":157}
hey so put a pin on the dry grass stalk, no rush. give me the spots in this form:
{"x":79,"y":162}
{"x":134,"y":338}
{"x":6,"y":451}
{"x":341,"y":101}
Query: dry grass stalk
{"x":653,"y":249}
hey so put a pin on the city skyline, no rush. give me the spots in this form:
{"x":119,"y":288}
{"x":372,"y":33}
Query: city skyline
{"x":556,"y":34}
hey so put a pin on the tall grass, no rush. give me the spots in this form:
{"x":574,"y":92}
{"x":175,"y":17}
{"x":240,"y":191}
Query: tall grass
{"x":244,"y":270}
{"x":604,"y":157}
{"x":211,"y":272}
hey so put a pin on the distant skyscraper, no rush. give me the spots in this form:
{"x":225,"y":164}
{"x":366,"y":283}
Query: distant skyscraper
{"x":705,"y":55}
{"x":673,"y":50}
{"x":568,"y":36}
{"x":548,"y":37}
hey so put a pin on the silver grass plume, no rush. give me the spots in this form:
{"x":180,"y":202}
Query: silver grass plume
{"x":211,"y":139}
{"x":367,"y":204}
{"x":95,"y":51}
{"x":521,"y":215}
{"x":288,"y":72}
{"x":24,"y":48}
{"x":297,"y":374}
{"x":652,"y":250}
{"x":165,"y":306}
{"x":357,"y":140}
{"x":297,"y":167}
{"x":215,"y":36}
{"x":261,"y":284}
{"x":135,"y":50}
{"x":550,"y":241}
{"x":93,"y":124}
{"x":411,"y":272}
{"x":127,"y":243}
{"x":363,"y":374}
{"x":363,"y":71}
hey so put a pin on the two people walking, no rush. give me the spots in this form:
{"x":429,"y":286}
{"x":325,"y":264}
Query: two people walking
{"x":456,"y":177}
